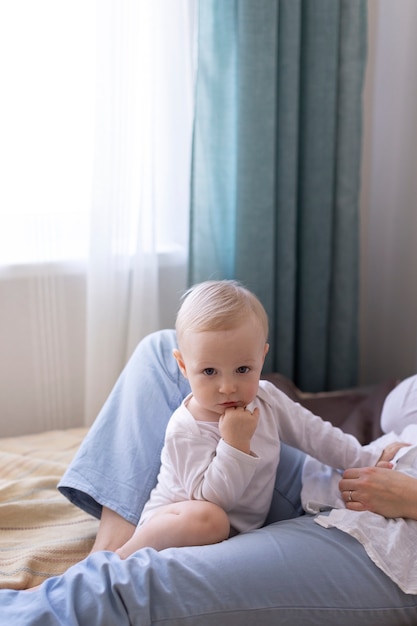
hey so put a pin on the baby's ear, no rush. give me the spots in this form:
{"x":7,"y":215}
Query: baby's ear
{"x":178,"y":357}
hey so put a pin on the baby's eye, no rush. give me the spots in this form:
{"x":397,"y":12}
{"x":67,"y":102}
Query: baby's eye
{"x":209,"y":371}
{"x":243,"y":369}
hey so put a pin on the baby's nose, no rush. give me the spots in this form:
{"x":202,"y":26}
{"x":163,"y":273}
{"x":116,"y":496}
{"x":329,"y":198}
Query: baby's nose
{"x":227,"y":386}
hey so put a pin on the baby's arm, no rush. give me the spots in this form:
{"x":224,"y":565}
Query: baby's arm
{"x":237,"y":427}
{"x":388,"y":454}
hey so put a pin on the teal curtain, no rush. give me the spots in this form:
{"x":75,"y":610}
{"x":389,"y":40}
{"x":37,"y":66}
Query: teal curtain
{"x":275,"y":173}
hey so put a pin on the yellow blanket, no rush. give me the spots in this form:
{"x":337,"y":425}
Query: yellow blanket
{"x":41,"y":533}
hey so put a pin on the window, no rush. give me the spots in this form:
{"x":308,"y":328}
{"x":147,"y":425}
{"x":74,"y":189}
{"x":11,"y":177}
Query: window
{"x":47,"y":73}
{"x":68,"y":69}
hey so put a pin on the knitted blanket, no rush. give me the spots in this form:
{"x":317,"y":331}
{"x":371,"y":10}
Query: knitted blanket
{"x":41,"y":533}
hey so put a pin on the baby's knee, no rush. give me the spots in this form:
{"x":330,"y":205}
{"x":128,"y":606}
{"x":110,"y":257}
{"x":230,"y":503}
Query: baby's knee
{"x":216,"y":521}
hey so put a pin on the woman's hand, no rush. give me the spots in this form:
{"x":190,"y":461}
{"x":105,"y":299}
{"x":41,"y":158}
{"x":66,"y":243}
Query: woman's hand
{"x":380,"y":490}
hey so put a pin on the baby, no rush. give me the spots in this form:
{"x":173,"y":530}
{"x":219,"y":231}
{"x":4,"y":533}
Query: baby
{"x":222,"y":445}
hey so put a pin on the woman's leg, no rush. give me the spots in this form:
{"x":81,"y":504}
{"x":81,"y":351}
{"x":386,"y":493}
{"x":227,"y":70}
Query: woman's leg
{"x":286,"y":498}
{"x":118,"y":462}
{"x":293,"y":572}
{"x":113,"y":531}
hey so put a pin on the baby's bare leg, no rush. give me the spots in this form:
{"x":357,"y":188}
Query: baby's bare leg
{"x":188,"y":523}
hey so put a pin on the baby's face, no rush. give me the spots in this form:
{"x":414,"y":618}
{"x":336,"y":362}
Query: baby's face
{"x":223,"y":367}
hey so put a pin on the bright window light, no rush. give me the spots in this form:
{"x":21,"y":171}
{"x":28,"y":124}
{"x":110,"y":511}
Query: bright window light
{"x":47,"y":74}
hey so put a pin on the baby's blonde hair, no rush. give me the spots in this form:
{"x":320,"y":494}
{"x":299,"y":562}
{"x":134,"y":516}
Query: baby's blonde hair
{"x":218,"y":305}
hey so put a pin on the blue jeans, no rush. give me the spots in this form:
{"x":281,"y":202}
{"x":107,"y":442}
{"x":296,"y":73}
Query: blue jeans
{"x":291,"y":572}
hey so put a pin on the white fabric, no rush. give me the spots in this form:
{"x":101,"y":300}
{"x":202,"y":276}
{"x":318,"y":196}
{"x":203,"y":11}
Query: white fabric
{"x":144,"y":114}
{"x":390,"y":543}
{"x":400,"y":406}
{"x":197,"y":464}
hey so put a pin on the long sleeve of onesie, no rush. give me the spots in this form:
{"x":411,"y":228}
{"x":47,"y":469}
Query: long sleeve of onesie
{"x":300,"y":428}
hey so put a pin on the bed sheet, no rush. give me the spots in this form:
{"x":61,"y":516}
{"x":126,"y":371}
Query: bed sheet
{"x":41,"y":532}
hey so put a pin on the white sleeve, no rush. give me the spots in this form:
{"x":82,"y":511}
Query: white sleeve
{"x":302,"y":429}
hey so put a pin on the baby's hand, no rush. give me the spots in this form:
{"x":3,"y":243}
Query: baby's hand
{"x":237,"y":427}
{"x":388,"y":453}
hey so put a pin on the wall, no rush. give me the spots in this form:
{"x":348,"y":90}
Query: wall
{"x":42,"y":374}
{"x":389,"y":195}
{"x":41,"y":377}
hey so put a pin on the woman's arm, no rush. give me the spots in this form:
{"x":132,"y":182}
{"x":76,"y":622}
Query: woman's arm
{"x":384,"y":491}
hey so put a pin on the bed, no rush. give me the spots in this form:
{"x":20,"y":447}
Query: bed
{"x":42,"y":534}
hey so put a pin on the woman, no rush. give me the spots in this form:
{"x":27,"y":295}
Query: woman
{"x":292,"y":572}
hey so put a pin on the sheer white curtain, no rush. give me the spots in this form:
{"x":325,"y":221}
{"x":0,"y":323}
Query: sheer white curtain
{"x":144,"y":115}
{"x":93,"y":223}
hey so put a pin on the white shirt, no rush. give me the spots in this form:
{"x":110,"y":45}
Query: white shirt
{"x":196,"y":463}
{"x":390,"y":543}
